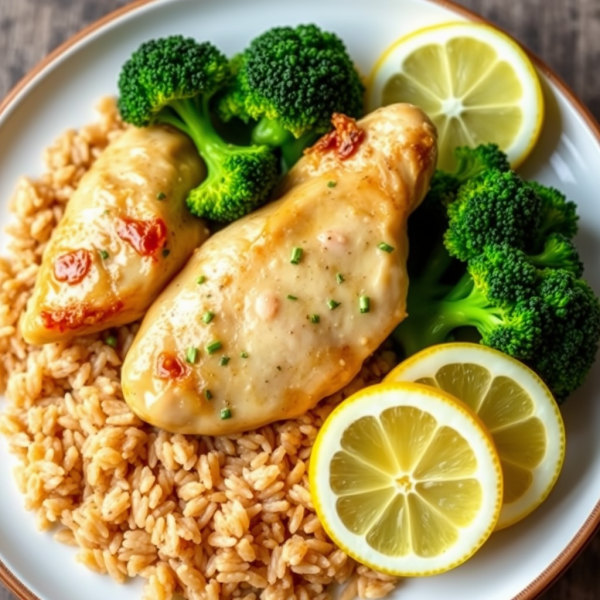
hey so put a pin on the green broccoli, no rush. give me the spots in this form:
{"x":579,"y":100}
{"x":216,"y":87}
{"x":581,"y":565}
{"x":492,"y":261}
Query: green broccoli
{"x":495,"y":295}
{"x":431,"y":219}
{"x":291,"y":80}
{"x":558,"y":215}
{"x":570,"y":331}
{"x":500,"y":262}
{"x":559,"y":252}
{"x":171,"y":81}
{"x":497,"y":207}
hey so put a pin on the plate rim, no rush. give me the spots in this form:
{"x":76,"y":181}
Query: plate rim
{"x":591,"y":525}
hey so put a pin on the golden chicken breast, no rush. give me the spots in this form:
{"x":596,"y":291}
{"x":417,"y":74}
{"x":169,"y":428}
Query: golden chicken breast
{"x":125,"y":232}
{"x":281,"y":308}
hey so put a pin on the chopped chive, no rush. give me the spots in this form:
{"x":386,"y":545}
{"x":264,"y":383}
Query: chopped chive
{"x":201,"y":280}
{"x":104,"y":254}
{"x":364,"y":304}
{"x":225,"y":413}
{"x":224,"y":361}
{"x":111,"y":341}
{"x":332,"y":304}
{"x":208,"y":394}
{"x":290,"y":297}
{"x":385,"y":247}
{"x":314,"y":318}
{"x":166,"y":252}
{"x":208,"y":316}
{"x":161,"y":196}
{"x":339,"y":278}
{"x":296,"y":255}
{"x":244,"y":354}
{"x":331,"y":184}
{"x":214,"y":346}
{"x":191,"y":355}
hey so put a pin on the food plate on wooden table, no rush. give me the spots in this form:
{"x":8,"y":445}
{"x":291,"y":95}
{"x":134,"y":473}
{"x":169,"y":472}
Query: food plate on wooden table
{"x":516,"y":563}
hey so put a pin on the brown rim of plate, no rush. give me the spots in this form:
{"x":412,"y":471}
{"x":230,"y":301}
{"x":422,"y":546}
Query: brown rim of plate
{"x":577,"y":544}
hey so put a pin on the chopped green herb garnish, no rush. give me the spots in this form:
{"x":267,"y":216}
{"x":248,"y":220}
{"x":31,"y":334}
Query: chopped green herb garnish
{"x":201,"y":280}
{"x":331,"y":184}
{"x":314,"y":318}
{"x":386,"y":247}
{"x":225,"y":413}
{"x":166,"y":252}
{"x":332,"y":304}
{"x":339,"y":278}
{"x":208,"y":395}
{"x":208,"y":316}
{"x":104,"y":254}
{"x":244,"y":354}
{"x":111,"y":341}
{"x":224,"y":361}
{"x":191,"y":356}
{"x":161,"y":196}
{"x":290,"y":297}
{"x":214,"y":346}
{"x":296,"y":255}
{"x":364,"y":304}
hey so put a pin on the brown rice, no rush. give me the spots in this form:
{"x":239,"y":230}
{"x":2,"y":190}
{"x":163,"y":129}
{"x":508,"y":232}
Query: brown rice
{"x":209,"y":518}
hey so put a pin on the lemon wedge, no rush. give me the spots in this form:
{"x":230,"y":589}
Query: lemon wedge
{"x":515,"y":406}
{"x":405,"y":479}
{"x":475,"y":83}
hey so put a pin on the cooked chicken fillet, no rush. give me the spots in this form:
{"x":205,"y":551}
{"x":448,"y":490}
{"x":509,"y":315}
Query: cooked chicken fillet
{"x":265,"y":320}
{"x":125,"y":232}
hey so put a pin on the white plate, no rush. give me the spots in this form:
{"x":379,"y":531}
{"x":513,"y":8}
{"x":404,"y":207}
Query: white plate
{"x":518,"y":562}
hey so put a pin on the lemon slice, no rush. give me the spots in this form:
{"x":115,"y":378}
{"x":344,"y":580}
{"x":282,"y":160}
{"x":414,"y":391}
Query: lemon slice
{"x":475,"y":83}
{"x":515,"y":406}
{"x":405,"y":479}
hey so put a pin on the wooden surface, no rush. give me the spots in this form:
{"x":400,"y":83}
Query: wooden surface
{"x":564,"y":33}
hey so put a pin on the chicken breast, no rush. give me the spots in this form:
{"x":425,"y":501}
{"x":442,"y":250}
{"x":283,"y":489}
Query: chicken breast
{"x":281,"y":308}
{"x":125,"y":232}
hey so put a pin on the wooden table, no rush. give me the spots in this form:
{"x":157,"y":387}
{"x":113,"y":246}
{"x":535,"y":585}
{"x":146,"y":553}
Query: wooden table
{"x":564,"y":33}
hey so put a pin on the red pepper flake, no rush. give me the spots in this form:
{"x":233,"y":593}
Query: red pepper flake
{"x":72,"y":267}
{"x":344,"y":139}
{"x":168,"y":366}
{"x":78,"y":315}
{"x":145,"y":237}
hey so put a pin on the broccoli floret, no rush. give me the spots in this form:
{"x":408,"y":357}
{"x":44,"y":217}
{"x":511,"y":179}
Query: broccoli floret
{"x":570,"y":331}
{"x":559,"y":253}
{"x":494,"y":208}
{"x":496,"y":296}
{"x":291,"y":80}
{"x":472,"y":162}
{"x":558,"y":215}
{"x":171,"y":81}
{"x":498,"y":261}
{"x":430,"y":220}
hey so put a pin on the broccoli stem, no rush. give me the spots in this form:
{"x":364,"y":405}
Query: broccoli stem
{"x":430,"y":321}
{"x":271,"y":133}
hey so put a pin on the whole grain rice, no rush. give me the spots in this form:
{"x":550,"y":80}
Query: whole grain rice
{"x":205,"y":517}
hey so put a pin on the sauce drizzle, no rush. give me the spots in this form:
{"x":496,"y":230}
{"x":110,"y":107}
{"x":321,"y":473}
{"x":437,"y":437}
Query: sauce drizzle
{"x":72,"y":267}
{"x":145,"y":237}
{"x":168,"y":366}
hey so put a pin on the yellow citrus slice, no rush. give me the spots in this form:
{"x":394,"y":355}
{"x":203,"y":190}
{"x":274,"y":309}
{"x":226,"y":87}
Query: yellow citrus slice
{"x":516,"y":407}
{"x":406,"y":479}
{"x":475,"y":82}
